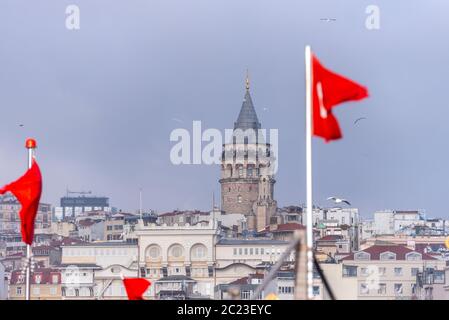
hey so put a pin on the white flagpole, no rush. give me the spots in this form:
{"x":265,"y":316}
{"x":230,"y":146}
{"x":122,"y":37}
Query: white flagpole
{"x":309,"y":220}
{"x":30,"y":145}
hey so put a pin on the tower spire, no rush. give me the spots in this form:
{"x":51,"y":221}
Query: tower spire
{"x":247,"y":80}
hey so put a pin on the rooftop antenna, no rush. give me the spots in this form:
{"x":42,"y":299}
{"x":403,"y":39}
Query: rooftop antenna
{"x":140,"y":203}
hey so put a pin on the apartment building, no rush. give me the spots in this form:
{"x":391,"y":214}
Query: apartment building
{"x":386,"y":271}
{"x":45,"y":285}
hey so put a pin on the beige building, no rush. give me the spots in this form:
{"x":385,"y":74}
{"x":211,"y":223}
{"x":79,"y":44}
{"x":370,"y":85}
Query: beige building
{"x":179,"y":251}
{"x":62,"y":228}
{"x":113,"y":227}
{"x":45,"y":285}
{"x":380,"y":272}
{"x":236,"y":258}
{"x":405,"y":240}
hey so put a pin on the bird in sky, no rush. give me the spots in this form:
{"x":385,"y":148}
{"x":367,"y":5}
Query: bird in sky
{"x":177,"y":120}
{"x":21,"y":125}
{"x":328,"y":19}
{"x":338,"y":200}
{"x":359,"y":119}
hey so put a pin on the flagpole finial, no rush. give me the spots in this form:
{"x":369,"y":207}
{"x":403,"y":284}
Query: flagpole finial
{"x":247,"y":79}
{"x":30,"y":144}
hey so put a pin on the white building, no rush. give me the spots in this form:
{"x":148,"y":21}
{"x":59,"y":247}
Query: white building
{"x":89,"y":269}
{"x":3,"y":283}
{"x":367,"y":229}
{"x":384,"y":222}
{"x":405,"y":219}
{"x":344,"y":216}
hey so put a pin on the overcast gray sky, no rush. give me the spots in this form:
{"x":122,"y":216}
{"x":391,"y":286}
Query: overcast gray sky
{"x":100,"y":100}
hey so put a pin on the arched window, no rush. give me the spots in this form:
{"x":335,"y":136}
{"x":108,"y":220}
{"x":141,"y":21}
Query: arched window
{"x":176,"y":251}
{"x":198,"y":252}
{"x":387,"y":256}
{"x":239,"y":199}
{"x":153,"y":252}
{"x":362,"y":256}
{"x":413,"y":256}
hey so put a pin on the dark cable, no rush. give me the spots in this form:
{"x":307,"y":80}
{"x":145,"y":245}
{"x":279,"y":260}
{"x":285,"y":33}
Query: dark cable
{"x":323,"y":278}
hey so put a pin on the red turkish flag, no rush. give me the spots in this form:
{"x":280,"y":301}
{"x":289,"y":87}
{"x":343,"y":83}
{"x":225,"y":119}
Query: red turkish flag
{"x":328,"y":90}
{"x":136,"y":287}
{"x":27,"y":189}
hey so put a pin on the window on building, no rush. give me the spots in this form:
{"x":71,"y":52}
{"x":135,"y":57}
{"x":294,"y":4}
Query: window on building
{"x":414,"y":271}
{"x":199,"y":251}
{"x":239,"y":199}
{"x":382,"y":288}
{"x":55,"y":278}
{"x":382,"y":271}
{"x":235,"y":251}
{"x":246,"y":251}
{"x":240,"y":251}
{"x":413,"y":287}
{"x":53,"y":291}
{"x":364,"y":288}
{"x":349,"y":271}
{"x":398,"y":272}
{"x":154,"y":252}
{"x":250,"y":173}
{"x":413,"y":256}
{"x":364,"y":271}
{"x":37,"y":278}
{"x":316,"y":291}
{"x":245,"y":295}
{"x":19,"y":290}
{"x":240,"y":171}
{"x":257,"y":251}
{"x":361,"y":256}
{"x":398,"y":288}
{"x":251,"y":251}
{"x":387,"y":256}
{"x":262,"y":251}
{"x":176,"y":251}
{"x":36,"y":291}
{"x":438,"y":276}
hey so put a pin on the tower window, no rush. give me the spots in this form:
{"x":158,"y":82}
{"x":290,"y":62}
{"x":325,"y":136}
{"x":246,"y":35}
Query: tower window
{"x":250,"y":171}
{"x":240,"y":171}
{"x":239,"y":199}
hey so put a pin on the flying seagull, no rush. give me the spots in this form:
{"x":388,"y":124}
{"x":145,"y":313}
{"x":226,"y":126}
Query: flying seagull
{"x":328,"y":19}
{"x":359,"y":119}
{"x":338,"y":200}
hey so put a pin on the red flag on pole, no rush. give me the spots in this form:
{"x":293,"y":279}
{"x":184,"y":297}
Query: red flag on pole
{"x":328,"y":90}
{"x":136,"y":287}
{"x":27,"y":189}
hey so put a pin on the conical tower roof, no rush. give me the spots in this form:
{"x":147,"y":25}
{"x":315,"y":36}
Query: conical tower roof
{"x":247,"y":117}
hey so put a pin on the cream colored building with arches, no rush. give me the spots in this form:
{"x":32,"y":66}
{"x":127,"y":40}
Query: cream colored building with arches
{"x":174,"y":250}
